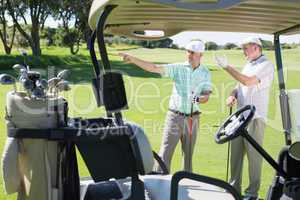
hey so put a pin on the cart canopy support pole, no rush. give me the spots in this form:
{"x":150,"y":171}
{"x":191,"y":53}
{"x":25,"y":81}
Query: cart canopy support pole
{"x":114,"y":95}
{"x":100,"y":36}
{"x":283,"y":98}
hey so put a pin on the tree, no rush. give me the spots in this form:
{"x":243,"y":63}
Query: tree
{"x":38,"y":11}
{"x":286,"y":46}
{"x":268,"y":45}
{"x":49,"y":35}
{"x":71,"y":39}
{"x":163,"y":43}
{"x":5,"y":30}
{"x":74,"y":15}
{"x":175,"y":46}
{"x":211,"y":46}
{"x":20,"y":40}
{"x":66,"y":12}
{"x":82,"y":10}
{"x":230,"y":46}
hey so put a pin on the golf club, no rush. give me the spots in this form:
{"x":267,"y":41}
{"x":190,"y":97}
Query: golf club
{"x":42,"y":83}
{"x":41,"y":87}
{"x":33,"y":75}
{"x":27,"y":85}
{"x":63,"y":74}
{"x":19,"y":67}
{"x":6,"y":79}
{"x":190,"y":132}
{"x":58,"y":83}
{"x":38,"y":93}
{"x":228,"y":150}
{"x":31,"y":82}
{"x":53,"y":81}
{"x":62,"y":86}
{"x":23,"y":52}
{"x":22,"y":69}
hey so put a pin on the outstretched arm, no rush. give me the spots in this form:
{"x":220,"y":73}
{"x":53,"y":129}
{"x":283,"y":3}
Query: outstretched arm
{"x":147,"y":66}
{"x":244,"y":79}
{"x":222,"y":62}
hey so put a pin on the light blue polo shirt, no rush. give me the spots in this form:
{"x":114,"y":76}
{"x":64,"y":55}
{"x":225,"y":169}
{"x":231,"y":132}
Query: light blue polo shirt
{"x":188,"y":82}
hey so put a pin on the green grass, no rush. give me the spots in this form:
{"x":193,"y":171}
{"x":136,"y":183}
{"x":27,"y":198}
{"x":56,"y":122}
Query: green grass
{"x":148,"y":101}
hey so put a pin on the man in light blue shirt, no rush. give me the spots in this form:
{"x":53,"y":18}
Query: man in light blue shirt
{"x":192,"y":86}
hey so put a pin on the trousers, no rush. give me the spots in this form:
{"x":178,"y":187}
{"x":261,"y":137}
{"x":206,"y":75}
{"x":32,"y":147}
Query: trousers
{"x":177,"y":129}
{"x":240,"y":147}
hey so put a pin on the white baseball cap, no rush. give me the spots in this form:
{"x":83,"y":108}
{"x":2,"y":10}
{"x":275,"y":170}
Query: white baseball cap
{"x":196,"y":46}
{"x":252,"y":40}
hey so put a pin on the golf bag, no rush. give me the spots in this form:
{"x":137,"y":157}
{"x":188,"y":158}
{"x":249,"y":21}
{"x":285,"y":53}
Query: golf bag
{"x":286,"y":189}
{"x":33,"y":167}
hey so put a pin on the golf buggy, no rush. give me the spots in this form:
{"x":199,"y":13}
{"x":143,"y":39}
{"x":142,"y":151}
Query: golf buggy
{"x":117,"y":152}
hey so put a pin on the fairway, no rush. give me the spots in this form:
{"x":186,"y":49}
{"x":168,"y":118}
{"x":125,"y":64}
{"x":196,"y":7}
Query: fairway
{"x":148,"y":97}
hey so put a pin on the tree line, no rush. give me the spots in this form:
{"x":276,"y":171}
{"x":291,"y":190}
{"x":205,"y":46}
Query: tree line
{"x":267,"y":45}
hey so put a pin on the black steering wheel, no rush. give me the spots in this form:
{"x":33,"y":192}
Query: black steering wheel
{"x":235,"y":124}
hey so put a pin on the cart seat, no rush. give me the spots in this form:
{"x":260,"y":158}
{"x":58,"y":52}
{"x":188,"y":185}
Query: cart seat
{"x":119,"y":168}
{"x":157,"y":187}
{"x":117,"y":156}
{"x":120,"y":156}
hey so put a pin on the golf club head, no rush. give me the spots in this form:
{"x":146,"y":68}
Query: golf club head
{"x":38,"y":93}
{"x":27,"y":84}
{"x":42,"y":84}
{"x":53,"y":81}
{"x":33,"y":75}
{"x":63,"y":86}
{"x":63,"y":74}
{"x":23,"y":52}
{"x":19,"y":67}
{"x":23,"y":75}
{"x":6,"y":79}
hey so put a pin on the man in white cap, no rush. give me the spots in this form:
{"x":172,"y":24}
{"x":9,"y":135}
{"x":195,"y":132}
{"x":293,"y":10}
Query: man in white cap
{"x":254,"y":86}
{"x":192,"y":86}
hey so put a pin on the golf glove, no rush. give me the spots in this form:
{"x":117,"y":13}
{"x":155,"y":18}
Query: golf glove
{"x":221,"y":61}
{"x":196,"y":99}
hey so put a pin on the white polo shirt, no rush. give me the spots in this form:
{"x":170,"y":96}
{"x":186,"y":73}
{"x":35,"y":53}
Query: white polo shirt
{"x":257,"y":95}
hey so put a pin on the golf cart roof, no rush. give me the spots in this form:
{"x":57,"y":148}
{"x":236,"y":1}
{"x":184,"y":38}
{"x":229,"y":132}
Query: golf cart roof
{"x":131,"y":18}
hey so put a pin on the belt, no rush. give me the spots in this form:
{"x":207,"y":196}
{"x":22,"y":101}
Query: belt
{"x":184,"y":114}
